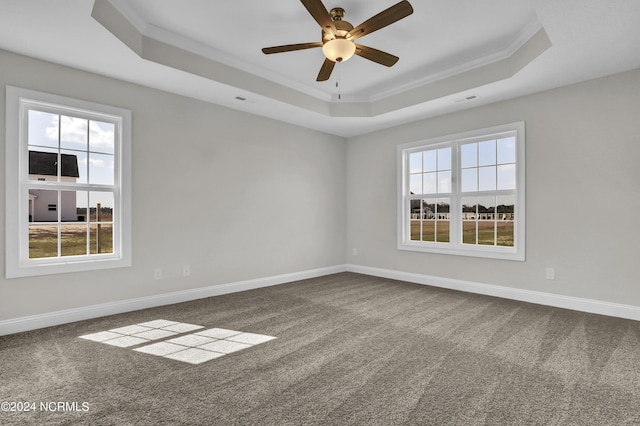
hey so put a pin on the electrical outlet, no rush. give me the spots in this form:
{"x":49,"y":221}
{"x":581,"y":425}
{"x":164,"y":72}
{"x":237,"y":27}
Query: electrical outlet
{"x":157,"y":274}
{"x":186,"y":270}
{"x":550,"y":273}
{"x":354,"y":251}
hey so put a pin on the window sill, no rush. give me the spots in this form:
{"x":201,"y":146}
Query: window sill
{"x":503,"y":253}
{"x":63,"y":266}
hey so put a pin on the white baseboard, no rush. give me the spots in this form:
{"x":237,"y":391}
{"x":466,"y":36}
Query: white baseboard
{"x":538,"y":297}
{"x":17,"y":325}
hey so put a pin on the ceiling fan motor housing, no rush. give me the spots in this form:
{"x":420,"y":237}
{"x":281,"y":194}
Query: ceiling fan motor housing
{"x":343,"y":27}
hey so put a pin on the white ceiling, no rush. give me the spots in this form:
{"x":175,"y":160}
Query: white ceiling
{"x":449,"y":51}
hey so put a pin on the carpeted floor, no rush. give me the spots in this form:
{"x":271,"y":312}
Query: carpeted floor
{"x":349,"y":350}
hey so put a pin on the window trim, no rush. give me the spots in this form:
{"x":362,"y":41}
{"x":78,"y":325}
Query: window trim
{"x":16,"y":264}
{"x":455,"y":247}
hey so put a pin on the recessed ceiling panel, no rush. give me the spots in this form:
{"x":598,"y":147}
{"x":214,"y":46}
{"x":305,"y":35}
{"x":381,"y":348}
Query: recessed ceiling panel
{"x":437,"y":38}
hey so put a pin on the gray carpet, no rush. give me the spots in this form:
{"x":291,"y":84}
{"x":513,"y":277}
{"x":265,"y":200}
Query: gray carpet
{"x":350,"y":350}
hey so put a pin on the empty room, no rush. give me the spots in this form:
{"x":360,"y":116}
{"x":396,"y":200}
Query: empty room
{"x":320,"y":212}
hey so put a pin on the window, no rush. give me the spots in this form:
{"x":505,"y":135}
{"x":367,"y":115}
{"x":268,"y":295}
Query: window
{"x":464,"y":194}
{"x":68,"y":185}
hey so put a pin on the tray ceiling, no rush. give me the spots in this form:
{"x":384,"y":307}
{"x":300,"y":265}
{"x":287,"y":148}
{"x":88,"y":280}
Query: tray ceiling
{"x":453,"y":55}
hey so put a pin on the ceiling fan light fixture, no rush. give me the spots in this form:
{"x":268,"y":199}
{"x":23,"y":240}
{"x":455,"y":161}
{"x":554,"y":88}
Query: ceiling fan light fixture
{"x":339,"y":49}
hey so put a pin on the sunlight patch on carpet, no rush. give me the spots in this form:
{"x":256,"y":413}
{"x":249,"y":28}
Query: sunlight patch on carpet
{"x":195,"y":348}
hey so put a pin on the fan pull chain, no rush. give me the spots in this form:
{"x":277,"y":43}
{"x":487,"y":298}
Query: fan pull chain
{"x":339,"y":81}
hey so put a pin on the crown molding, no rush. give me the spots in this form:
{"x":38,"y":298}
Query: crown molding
{"x":160,"y":34}
{"x":447,"y":78}
{"x":461,"y":63}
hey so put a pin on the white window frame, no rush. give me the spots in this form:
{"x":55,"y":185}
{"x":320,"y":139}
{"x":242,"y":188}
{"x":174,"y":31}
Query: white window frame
{"x":17,"y":262}
{"x":455,"y":246}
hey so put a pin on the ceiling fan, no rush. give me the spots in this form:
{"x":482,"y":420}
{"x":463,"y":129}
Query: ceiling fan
{"x":338,"y":36}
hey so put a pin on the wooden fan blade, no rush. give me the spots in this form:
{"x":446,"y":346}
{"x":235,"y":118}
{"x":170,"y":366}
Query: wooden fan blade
{"x":376,"y":55}
{"x":326,"y":70}
{"x":320,"y":14}
{"x":381,"y":20}
{"x":290,"y":47}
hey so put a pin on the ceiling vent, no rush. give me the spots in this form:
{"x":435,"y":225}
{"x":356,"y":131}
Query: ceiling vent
{"x":465,"y":99}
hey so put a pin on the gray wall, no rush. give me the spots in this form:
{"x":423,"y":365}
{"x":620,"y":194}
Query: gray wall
{"x":583,"y":192}
{"x":238,"y":196}
{"x":234,"y":195}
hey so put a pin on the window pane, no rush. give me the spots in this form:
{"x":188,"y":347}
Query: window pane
{"x":43,"y":241}
{"x":507,"y":150}
{"x":43,"y":205}
{"x":469,"y":208}
{"x":505,"y":233}
{"x":415,"y":230}
{"x":486,"y":220}
{"x":506,"y":207}
{"x":442,"y":224}
{"x":73,"y":133}
{"x":429,"y":183}
{"x":487,"y":153}
{"x":101,"y":206}
{"x":505,"y":224}
{"x":486,"y":208}
{"x":443,"y":208}
{"x":68,"y":208}
{"x":101,"y":169}
{"x":73,"y":240}
{"x":415,"y":184}
{"x":415,"y":162}
{"x":414,"y":206}
{"x":429,"y":208}
{"x":428,"y":230}
{"x":82,"y":204}
{"x":101,"y":239}
{"x":442,"y":227}
{"x":72,"y":165}
{"x":469,"y":232}
{"x":43,"y":164}
{"x":43,"y":129}
{"x":101,"y":137}
{"x":507,"y":176}
{"x":487,"y":178}
{"x":486,"y":233}
{"x":83,"y":166}
{"x":469,"y":181}
{"x":444,"y":159}
{"x":429,"y":161}
{"x":469,"y":155}
{"x":444,"y":182}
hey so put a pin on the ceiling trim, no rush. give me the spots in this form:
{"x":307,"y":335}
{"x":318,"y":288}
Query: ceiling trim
{"x":471,"y":79}
{"x":160,"y":34}
{"x":154,"y":32}
{"x":112,"y":19}
{"x":166,"y":48}
{"x":461,"y":63}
